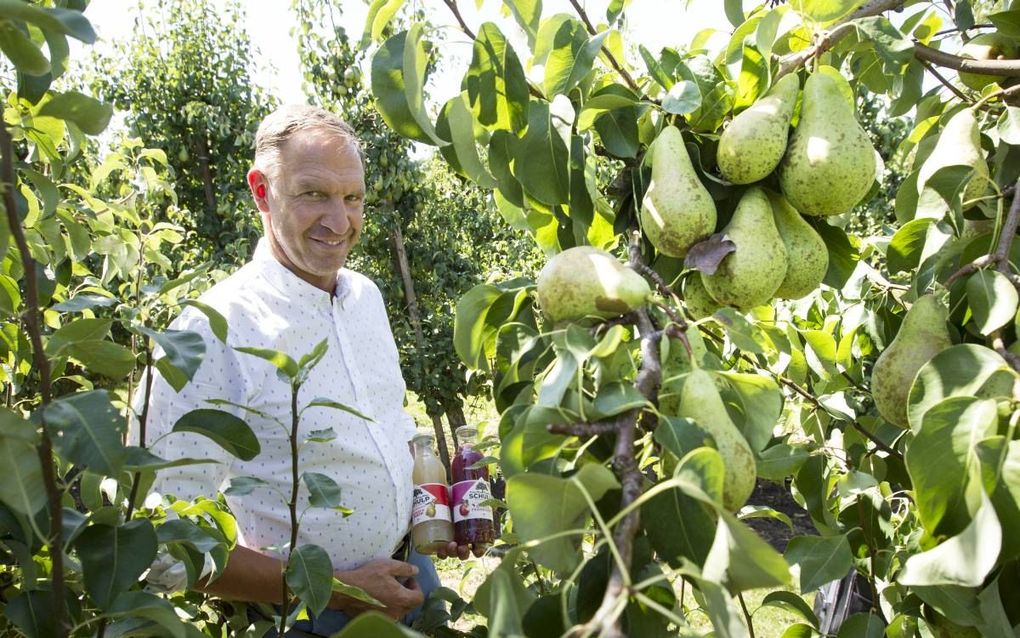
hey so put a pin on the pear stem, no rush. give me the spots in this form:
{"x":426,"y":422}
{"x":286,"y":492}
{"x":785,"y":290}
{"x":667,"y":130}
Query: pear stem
{"x":1000,"y":258}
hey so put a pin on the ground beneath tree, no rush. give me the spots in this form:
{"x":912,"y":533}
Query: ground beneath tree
{"x":777,"y":496}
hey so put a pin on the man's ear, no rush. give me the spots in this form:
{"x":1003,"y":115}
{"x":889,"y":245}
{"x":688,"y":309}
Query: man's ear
{"x":259,"y":185}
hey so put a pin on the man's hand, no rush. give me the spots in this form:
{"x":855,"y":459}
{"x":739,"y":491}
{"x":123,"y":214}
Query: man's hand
{"x":452,"y":549}
{"x":389,"y":581}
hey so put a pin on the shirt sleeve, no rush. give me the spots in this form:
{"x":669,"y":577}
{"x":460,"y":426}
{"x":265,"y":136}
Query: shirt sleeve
{"x":219,"y":376}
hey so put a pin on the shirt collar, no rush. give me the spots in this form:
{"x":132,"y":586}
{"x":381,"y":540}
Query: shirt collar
{"x":287,"y":283}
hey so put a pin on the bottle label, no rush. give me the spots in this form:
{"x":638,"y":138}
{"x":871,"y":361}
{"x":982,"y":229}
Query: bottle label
{"x":468,"y":497}
{"x":431,"y":502}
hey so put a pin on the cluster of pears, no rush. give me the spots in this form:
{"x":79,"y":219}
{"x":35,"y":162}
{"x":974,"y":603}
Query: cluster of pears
{"x":922,"y":335}
{"x":585,"y":281}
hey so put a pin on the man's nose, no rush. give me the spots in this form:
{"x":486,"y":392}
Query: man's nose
{"x":338,"y":220}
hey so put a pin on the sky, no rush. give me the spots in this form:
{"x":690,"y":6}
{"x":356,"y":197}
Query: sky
{"x":653,"y":23}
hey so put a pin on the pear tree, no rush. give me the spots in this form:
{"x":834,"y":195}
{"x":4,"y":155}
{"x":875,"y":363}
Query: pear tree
{"x":876,"y":375}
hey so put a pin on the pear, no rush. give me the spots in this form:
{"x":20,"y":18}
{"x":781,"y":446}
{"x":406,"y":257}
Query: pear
{"x":922,"y":335}
{"x":987,"y":46}
{"x":751,"y":274}
{"x":959,"y":143}
{"x":830,"y":163}
{"x":700,"y":401}
{"x":585,"y":281}
{"x":699,"y":303}
{"x":677,"y":210}
{"x":753,"y":144}
{"x":806,"y":254}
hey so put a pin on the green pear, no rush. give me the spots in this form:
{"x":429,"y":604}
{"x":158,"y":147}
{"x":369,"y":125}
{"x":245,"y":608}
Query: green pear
{"x":806,"y":254}
{"x":754,"y":142}
{"x":699,"y":303}
{"x":959,"y":143}
{"x":751,"y":274}
{"x":987,"y":46}
{"x":922,"y":335}
{"x":677,"y":210}
{"x":585,"y":281}
{"x":830,"y":163}
{"x":701,"y":402}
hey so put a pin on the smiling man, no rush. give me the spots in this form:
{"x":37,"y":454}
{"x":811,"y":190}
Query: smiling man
{"x":308,"y":183}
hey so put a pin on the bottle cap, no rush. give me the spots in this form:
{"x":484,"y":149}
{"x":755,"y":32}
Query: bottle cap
{"x":423,"y":437}
{"x":467,"y":433}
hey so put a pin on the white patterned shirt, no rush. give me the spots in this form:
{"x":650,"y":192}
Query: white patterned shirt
{"x":267,"y":306}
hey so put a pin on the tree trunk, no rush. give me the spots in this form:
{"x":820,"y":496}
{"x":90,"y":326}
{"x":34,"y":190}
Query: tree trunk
{"x":207,"y":180}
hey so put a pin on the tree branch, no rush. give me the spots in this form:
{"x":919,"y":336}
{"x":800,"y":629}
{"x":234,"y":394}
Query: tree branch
{"x":605,"y":51}
{"x":1004,"y":68}
{"x":31,"y":318}
{"x":946,"y":83}
{"x":1001,"y":93}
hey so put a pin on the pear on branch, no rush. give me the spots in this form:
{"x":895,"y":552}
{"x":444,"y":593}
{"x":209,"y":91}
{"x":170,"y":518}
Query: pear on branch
{"x":807,"y":256}
{"x":587,"y":282}
{"x":754,"y":142}
{"x":922,"y":335}
{"x":677,"y":209}
{"x":751,"y":274}
{"x":987,"y":46}
{"x":830,"y":163}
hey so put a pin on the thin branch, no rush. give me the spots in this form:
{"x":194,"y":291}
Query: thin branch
{"x":1009,"y":228}
{"x":583,"y":429}
{"x":747,"y":615}
{"x":1001,"y":93}
{"x":877,"y":441}
{"x":999,"y":346}
{"x":1004,"y":68}
{"x":32,"y":322}
{"x":971,"y":268}
{"x":605,"y":50}
{"x":945,"y":82}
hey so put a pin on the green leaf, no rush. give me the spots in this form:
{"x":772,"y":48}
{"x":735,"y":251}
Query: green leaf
{"x":1009,"y":123}
{"x":571,"y":57}
{"x":825,"y":12}
{"x":1007,"y":22}
{"x":472,"y":334}
{"x":503,"y":597}
{"x":244,"y":485}
{"x":496,"y":85}
{"x":21,"y":51}
{"x":961,"y":370}
{"x":380,"y":13}
{"x":761,"y":403}
{"x":86,"y":430}
{"x":528,"y":14}
{"x":753,"y":79}
{"x":86,"y":329}
{"x":780,"y":461}
{"x":183,"y":349}
{"x":372,"y":624}
{"x":397,"y":75}
{"x":739,"y":330}
{"x":322,"y":402}
{"x":322,"y":490}
{"x":906,"y":246}
{"x":993,"y":300}
{"x":310,"y":576}
{"x":741,"y":560}
{"x":84,"y":301}
{"x":543,"y":505}
{"x":287,"y":366}
{"x":32,"y":613}
{"x":843,"y":253}
{"x":682,"y":98}
{"x":223,"y":428}
{"x":964,"y":559}
{"x":140,"y":604}
{"x":820,"y":558}
{"x":139,"y":459}
{"x":791,"y":602}
{"x":942,"y":458}
{"x":67,"y":21}
{"x":734,"y":10}
{"x":22,"y":489}
{"x":618,"y":131}
{"x":680,"y":524}
{"x":617,"y":398}
{"x":184,"y":531}
{"x":113,"y":558}
{"x":88,"y":113}
{"x":862,"y":625}
{"x":542,"y":158}
{"x":217,"y":322}
{"x":461,"y":130}
{"x":104,"y":357}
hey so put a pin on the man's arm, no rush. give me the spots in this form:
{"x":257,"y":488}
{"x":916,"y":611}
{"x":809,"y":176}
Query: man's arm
{"x":254,"y":577}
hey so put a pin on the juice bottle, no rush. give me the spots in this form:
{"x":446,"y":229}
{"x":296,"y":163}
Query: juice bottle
{"x":472,"y":521}
{"x":431,"y":526}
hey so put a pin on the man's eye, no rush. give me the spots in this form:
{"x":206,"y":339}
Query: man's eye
{"x":355,"y":198}
{"x":314,"y":194}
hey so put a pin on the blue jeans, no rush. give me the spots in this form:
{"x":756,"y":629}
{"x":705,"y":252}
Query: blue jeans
{"x":333,"y":620}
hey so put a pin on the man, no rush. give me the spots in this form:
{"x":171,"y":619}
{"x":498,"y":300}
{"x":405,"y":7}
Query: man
{"x":308,"y":183}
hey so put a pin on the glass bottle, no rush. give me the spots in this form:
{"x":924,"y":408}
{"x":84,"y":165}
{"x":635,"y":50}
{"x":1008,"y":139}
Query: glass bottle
{"x":472,"y":521}
{"x":431,"y":524}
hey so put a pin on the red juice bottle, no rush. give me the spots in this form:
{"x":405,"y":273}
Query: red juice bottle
{"x":472,"y":521}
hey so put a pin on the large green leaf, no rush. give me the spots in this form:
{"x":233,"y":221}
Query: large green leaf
{"x":503,"y":597}
{"x":480,"y":313}
{"x":962,"y":370}
{"x":964,"y":560}
{"x":32,"y":613}
{"x":760,"y":404}
{"x":66,"y":21}
{"x":397,"y":81}
{"x":993,"y":300}
{"x":461,"y":124}
{"x":543,"y":505}
{"x":825,"y":12}
{"x":820,"y":559}
{"x":323,"y":491}
{"x":103,"y":357}
{"x":904,"y":252}
{"x":21,"y":51}
{"x":287,"y":368}
{"x":681,"y":522}
{"x":542,"y":159}
{"x":225,"y":429}
{"x":113,"y":558}
{"x":380,"y":12}
{"x":741,"y":560}
{"x":140,"y":604}
{"x":571,"y":56}
{"x":374,"y":625}
{"x":496,"y":85}
{"x":310,"y":576}
{"x":86,"y":430}
{"x":88,"y":113}
{"x":22,"y":489}
{"x":942,"y":458}
{"x":528,"y":14}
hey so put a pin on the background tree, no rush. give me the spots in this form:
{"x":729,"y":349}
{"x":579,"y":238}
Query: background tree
{"x":185,"y":82}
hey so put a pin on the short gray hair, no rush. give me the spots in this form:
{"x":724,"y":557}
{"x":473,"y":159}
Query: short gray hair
{"x":280,"y":125}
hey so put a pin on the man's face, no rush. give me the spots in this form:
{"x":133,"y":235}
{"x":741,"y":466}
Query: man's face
{"x":314,"y":204}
